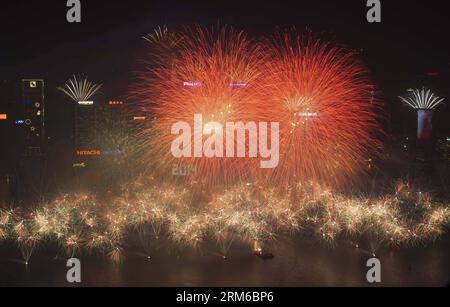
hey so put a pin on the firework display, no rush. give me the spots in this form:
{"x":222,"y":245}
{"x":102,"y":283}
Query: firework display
{"x":423,"y":99}
{"x":199,"y":145}
{"x":319,"y":94}
{"x":198,"y":78}
{"x":323,"y":98}
{"x":80,"y":90}
{"x":84,"y":224}
{"x":425,"y":102}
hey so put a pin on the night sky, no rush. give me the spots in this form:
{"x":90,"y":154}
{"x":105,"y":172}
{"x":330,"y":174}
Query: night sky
{"x":408,"y":49}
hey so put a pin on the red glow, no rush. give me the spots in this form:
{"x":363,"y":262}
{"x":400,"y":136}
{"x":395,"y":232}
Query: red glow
{"x":320,"y":94}
{"x":308,"y":77}
{"x":88,"y":153}
{"x":211,"y":61}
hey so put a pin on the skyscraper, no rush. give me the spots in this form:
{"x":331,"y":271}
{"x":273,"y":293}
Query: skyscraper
{"x":85,"y":126}
{"x":32,"y":116}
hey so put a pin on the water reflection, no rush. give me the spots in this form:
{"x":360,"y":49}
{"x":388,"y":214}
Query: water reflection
{"x":297,"y":262}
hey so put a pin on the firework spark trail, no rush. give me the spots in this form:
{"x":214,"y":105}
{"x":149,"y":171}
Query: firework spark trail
{"x":79,"y":89}
{"x":320,"y":94}
{"x":197,"y":79}
{"x":323,"y":99}
{"x":26,"y":239}
{"x":159,"y":35}
{"x":423,"y":99}
{"x":249,"y":214}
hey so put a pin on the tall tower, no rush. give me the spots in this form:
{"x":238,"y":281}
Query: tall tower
{"x":80,"y":91}
{"x":85,"y":125}
{"x":32,"y":113}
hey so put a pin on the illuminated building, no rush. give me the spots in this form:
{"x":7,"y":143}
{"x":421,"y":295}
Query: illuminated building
{"x":80,"y":90}
{"x":443,"y":148}
{"x":424,"y":101}
{"x":424,"y":125}
{"x":32,"y":116}
{"x":85,"y":125}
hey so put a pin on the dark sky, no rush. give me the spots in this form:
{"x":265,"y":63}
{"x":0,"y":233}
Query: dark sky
{"x":35,"y":37}
{"x":36,"y":40}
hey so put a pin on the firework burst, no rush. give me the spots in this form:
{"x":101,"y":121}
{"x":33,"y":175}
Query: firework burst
{"x":200,"y":77}
{"x":323,"y":99}
{"x":423,"y":99}
{"x":248,"y":214}
{"x":162,"y":38}
{"x":79,"y":89}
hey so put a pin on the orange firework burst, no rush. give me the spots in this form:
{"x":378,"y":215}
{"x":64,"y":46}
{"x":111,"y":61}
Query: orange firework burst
{"x":323,"y":99}
{"x":207,"y":74}
{"x":319,"y":94}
